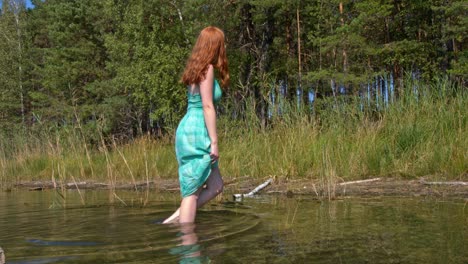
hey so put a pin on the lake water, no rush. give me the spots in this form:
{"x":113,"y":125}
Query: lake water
{"x":98,"y":227}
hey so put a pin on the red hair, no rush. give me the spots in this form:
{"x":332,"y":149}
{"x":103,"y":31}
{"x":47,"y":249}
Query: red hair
{"x":209,"y":49}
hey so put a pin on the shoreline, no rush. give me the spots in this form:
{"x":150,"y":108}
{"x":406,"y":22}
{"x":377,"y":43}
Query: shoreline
{"x":289,"y":188}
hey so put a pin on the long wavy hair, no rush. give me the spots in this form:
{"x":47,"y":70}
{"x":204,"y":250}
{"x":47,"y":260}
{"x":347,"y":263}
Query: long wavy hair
{"x":209,"y":49}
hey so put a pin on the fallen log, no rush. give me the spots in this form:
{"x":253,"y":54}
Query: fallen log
{"x":254,"y":191}
{"x":360,"y":181}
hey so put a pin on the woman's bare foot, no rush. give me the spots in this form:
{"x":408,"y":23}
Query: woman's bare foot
{"x":174,"y":218}
{"x":171,"y":220}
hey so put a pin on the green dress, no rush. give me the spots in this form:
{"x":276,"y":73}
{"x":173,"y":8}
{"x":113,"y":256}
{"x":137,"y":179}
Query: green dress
{"x":193,"y":144}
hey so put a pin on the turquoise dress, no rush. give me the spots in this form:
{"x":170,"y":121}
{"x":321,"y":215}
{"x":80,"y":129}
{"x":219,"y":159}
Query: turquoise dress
{"x":193,"y":144}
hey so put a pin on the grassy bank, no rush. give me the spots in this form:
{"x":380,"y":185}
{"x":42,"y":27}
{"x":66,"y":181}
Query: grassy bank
{"x":337,"y":139}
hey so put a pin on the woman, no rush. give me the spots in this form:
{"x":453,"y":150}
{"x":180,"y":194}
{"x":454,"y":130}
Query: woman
{"x":196,"y":138}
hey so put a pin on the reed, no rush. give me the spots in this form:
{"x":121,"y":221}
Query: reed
{"x":334,"y":140}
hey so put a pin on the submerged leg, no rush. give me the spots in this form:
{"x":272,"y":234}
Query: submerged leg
{"x":214,"y":186}
{"x":189,"y":239}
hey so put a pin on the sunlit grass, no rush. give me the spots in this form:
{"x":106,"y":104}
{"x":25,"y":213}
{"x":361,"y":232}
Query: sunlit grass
{"x":329,"y":143}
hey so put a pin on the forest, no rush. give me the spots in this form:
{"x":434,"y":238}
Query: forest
{"x":341,"y":88}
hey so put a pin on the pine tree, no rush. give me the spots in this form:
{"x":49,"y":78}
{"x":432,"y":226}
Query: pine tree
{"x":12,"y":91}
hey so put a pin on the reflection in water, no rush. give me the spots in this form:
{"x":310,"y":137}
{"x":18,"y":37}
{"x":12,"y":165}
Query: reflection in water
{"x":45,"y":260}
{"x":189,"y":250}
{"x":267,"y":229}
{"x":41,"y":242}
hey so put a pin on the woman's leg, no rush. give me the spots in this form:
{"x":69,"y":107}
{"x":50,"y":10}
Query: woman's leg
{"x":188,"y":208}
{"x":214,"y":186}
{"x":173,"y":217}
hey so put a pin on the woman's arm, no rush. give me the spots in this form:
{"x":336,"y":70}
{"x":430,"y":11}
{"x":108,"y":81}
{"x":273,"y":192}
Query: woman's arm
{"x":209,"y":112}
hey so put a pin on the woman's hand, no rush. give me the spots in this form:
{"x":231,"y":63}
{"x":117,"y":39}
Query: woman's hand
{"x":214,"y":154}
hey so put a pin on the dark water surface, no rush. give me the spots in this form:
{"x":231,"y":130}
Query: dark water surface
{"x":39,"y":227}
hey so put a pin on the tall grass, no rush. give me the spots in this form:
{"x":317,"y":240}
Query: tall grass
{"x":335,"y":140}
{"x":422,"y":134}
{"x":107,"y":162}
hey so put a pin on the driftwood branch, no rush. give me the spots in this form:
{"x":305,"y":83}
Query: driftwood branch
{"x":445,"y":183}
{"x":361,"y":181}
{"x":254,"y":191}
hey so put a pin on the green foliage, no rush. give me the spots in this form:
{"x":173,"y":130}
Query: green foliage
{"x":11,"y":52}
{"x":113,"y":66}
{"x":329,"y":144}
{"x":147,"y":51}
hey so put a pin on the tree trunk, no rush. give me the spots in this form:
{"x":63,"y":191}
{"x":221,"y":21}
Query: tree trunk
{"x":345,"y":56}
{"x":299,"y":79}
{"x":179,"y":12}
{"x":263,"y":59}
{"x":16,"y":4}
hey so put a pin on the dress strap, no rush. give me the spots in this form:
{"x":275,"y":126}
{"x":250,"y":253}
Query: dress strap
{"x":193,"y":91}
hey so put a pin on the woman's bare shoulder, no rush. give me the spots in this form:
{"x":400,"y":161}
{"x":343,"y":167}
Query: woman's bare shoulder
{"x":210,"y":67}
{"x":209,"y":72}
